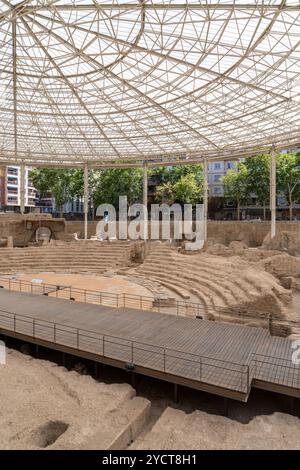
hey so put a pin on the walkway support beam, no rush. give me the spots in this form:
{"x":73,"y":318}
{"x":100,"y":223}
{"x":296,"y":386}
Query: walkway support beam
{"x":22,"y":188}
{"x":273,"y":192}
{"x":205,"y":197}
{"x":86,"y":199}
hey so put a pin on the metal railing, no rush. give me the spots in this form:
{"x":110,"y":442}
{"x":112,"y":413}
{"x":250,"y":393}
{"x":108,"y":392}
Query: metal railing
{"x":160,"y":305}
{"x":211,"y":370}
{"x":214,"y":371}
{"x":110,"y":299}
{"x":276,"y":369}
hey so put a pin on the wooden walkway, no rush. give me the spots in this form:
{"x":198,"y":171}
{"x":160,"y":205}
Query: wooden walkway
{"x":221,"y":358}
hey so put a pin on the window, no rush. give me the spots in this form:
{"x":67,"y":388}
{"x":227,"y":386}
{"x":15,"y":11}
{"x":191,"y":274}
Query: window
{"x":12,"y":190}
{"x":12,"y":180}
{"x":217,"y":178}
{"x":217,"y":190}
{"x":230,"y":165}
{"x":217,"y":166}
{"x":12,"y":171}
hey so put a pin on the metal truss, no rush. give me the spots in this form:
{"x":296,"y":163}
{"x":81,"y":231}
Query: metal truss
{"x":120,"y":82}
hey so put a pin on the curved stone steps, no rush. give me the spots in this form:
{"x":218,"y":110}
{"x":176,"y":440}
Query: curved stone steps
{"x":224,"y":278}
{"x":169,"y":278}
{"x":198,"y":281}
{"x":242,"y":284}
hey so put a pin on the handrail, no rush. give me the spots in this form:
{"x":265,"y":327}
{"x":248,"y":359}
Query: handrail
{"x":142,"y":300}
{"x":126,"y":300}
{"x":164,"y":353}
{"x":124,"y":339}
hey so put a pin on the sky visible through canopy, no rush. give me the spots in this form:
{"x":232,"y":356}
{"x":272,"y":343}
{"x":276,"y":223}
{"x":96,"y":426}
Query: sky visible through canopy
{"x":110,"y":81}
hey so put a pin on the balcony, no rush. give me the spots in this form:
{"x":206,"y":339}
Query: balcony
{"x":12,"y":191}
{"x":13,"y":181}
{"x":12,"y":171}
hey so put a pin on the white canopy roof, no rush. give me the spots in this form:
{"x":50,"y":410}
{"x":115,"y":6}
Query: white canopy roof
{"x":133,"y":80}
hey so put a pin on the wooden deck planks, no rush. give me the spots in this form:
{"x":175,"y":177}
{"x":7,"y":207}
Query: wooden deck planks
{"x":221,"y":354}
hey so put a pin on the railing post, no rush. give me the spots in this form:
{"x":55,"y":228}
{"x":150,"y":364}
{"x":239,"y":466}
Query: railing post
{"x":200,"y":368}
{"x":77,"y":338}
{"x":103,"y":350}
{"x":248,"y":378}
{"x":15,"y":321}
{"x":9,"y":283}
{"x":242,"y":374}
{"x":54,"y":333}
{"x":31,"y":288}
{"x":270,"y":326}
{"x":85,"y":296}
{"x":131,"y":352}
{"x":124,"y":299}
{"x":33,"y":328}
{"x":164,"y":360}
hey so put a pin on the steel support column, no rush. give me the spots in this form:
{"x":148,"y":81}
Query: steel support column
{"x":22,"y":188}
{"x":86,"y":199}
{"x":205,"y":197}
{"x":273,"y":192}
{"x":145,"y":197}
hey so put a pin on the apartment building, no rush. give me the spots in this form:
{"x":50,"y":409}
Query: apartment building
{"x":10,"y":188}
{"x":216,"y":170}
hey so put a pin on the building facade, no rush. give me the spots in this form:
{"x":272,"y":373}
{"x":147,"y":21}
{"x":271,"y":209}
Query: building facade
{"x":10,"y":188}
{"x":216,"y":171}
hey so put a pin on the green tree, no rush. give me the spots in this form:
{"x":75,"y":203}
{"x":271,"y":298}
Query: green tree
{"x":113,"y":183}
{"x":55,"y":180}
{"x":288,"y":177}
{"x":236,"y":186}
{"x":188,"y":190}
{"x":258,"y":178}
{"x":182,"y":184}
{"x":164,"y":193}
{"x":172,"y":174}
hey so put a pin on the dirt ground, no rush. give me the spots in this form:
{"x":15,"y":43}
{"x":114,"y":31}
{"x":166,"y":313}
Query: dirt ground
{"x":42,"y":405}
{"x":45,"y":406}
{"x":198,"y":421}
{"x":199,"y":430}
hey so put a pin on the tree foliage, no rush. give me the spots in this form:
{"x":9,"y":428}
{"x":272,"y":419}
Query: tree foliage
{"x":236,"y":185}
{"x":182,"y":184}
{"x":288,"y":177}
{"x":119,"y":182}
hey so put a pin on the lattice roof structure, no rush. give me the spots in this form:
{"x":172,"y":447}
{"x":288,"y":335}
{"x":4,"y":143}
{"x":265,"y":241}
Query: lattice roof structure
{"x":113,"y":81}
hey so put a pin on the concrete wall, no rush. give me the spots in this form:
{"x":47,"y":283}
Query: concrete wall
{"x":224,"y":232}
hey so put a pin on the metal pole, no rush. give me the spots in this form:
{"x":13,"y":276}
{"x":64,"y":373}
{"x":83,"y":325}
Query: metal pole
{"x":145,"y":197}
{"x":22,"y":188}
{"x":273,"y":192}
{"x":86,"y":199}
{"x":205,"y":197}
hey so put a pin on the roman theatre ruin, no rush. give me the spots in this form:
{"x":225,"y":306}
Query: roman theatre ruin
{"x":145,"y":84}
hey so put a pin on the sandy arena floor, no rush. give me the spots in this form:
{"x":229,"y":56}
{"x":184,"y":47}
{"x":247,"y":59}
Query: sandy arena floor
{"x":115,"y":284}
